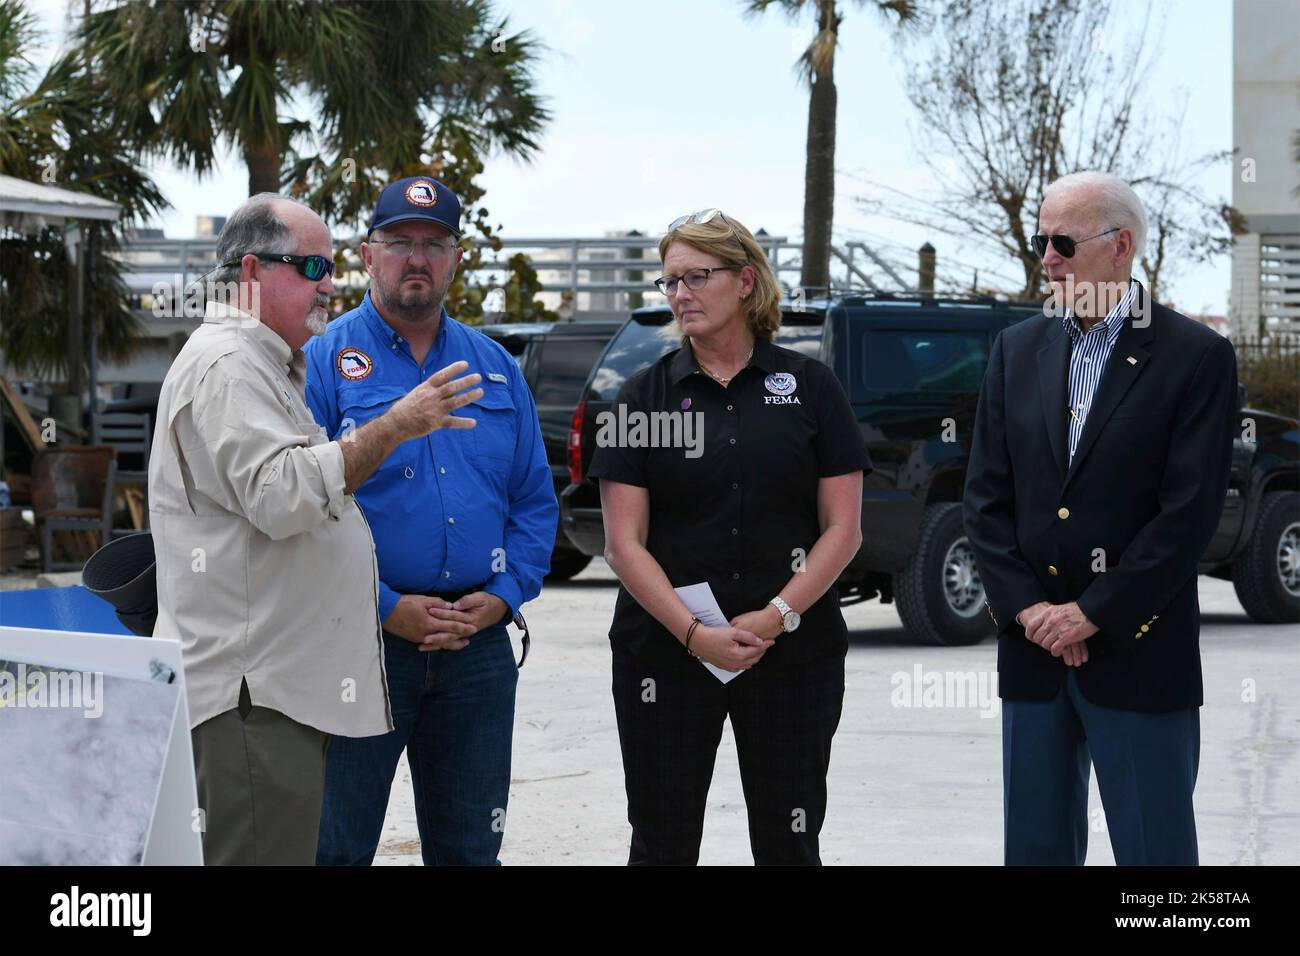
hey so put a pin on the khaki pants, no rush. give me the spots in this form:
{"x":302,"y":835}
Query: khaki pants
{"x":261,"y":778}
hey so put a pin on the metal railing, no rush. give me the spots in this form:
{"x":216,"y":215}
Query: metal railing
{"x":589,"y":273}
{"x":1271,"y":343}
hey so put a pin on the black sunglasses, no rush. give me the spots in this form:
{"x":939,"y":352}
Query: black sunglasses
{"x":314,"y":268}
{"x":1064,"y":244}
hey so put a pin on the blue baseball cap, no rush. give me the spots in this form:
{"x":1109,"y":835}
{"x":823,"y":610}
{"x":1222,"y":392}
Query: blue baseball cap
{"x":417,"y":197}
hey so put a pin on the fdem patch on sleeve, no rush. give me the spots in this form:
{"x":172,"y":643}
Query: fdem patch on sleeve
{"x":354,"y":364}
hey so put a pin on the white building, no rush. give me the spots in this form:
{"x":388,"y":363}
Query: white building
{"x":1265,"y":293}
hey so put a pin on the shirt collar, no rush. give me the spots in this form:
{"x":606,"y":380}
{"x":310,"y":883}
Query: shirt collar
{"x":684,"y":362}
{"x":764,"y":355}
{"x":1114,"y":321}
{"x":275,"y":348}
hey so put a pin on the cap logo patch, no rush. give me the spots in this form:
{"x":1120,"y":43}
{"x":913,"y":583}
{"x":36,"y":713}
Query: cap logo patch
{"x":421,"y":193}
{"x":354,"y":364}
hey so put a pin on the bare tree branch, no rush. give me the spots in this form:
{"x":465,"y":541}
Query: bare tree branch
{"x":1016,"y":94}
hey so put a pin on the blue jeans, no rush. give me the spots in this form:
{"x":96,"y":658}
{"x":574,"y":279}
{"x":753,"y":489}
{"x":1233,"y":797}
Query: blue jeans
{"x":454,"y":715}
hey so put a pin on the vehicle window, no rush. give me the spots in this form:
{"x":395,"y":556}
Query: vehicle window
{"x":638,"y":345}
{"x":516,"y":345}
{"x":902,"y":362}
{"x":802,"y":338}
{"x":563,"y":368}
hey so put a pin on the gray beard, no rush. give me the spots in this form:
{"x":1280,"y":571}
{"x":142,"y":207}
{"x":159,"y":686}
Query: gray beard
{"x":316,"y":324}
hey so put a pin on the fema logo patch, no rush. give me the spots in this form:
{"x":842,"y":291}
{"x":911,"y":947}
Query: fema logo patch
{"x":780,"y":383}
{"x":782,"y":386}
{"x":354,"y":364}
{"x":421,"y":193}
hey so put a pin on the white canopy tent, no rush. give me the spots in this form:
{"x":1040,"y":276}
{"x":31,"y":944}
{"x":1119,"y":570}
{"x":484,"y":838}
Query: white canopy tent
{"x":27,"y":208}
{"x":30,"y":207}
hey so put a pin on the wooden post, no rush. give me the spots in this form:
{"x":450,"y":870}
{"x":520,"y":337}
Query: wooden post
{"x":926,"y":269}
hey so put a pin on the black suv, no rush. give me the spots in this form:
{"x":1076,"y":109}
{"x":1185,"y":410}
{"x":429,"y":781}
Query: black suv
{"x":912,"y":368}
{"x":556,"y":359}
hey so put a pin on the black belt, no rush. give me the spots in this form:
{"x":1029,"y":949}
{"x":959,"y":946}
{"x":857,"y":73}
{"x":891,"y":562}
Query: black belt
{"x":452,"y":597}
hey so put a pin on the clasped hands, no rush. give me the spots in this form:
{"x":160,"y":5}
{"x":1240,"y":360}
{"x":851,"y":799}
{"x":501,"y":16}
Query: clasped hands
{"x":438,"y":625}
{"x":1062,"y":629}
{"x":741,"y":644}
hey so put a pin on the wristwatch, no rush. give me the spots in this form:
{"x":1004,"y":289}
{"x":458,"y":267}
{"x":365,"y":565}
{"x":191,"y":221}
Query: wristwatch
{"x":789,"y":616}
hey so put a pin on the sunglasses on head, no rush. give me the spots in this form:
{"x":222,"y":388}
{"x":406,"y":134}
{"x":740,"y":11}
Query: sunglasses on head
{"x":698,"y":218}
{"x":1064,"y":244}
{"x":703,"y":216}
{"x":314,"y":268}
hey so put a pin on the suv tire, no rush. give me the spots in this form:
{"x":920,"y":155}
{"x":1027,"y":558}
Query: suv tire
{"x":1267,"y":575}
{"x":938,"y":592}
{"x":566,"y":563}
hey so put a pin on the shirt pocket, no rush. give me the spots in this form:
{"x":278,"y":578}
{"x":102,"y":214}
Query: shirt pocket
{"x":360,"y":406}
{"x":497,"y":428}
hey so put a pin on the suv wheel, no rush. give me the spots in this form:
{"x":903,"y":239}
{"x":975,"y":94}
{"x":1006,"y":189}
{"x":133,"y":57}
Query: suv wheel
{"x":566,"y":563}
{"x":939,"y":594}
{"x":1267,"y":575}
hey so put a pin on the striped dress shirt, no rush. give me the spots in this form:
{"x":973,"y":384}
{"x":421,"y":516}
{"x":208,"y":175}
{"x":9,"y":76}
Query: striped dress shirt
{"x":1088,"y":356}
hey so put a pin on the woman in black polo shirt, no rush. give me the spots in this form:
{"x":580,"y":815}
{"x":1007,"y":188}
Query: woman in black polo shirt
{"x":759,"y":495}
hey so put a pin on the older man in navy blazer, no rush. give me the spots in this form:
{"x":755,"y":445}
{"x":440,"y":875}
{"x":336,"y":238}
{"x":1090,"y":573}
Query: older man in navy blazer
{"x":1098,"y":472}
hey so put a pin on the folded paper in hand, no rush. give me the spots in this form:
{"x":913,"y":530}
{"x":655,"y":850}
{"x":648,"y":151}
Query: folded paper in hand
{"x":699,"y":600}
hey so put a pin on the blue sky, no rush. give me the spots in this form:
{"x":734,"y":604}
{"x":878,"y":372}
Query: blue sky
{"x":669,"y":106}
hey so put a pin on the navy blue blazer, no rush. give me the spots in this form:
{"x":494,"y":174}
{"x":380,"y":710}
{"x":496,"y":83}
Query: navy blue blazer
{"x":1146,"y":487}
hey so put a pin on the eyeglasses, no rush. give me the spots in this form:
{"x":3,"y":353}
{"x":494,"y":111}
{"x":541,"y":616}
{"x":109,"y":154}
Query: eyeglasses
{"x":404,"y":247}
{"x":314,"y":268}
{"x":695,"y":279}
{"x":1064,"y":244}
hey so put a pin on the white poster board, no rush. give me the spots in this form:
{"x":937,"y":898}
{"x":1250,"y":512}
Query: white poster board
{"x":95,"y":746}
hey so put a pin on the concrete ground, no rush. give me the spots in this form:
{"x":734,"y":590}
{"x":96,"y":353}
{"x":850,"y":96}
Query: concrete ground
{"x":908,"y":784}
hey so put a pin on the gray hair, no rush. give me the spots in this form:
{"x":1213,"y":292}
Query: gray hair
{"x":253,"y":227}
{"x":1117,"y":205}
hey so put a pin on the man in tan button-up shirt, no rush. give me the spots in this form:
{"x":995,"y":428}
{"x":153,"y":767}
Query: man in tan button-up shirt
{"x":266,"y":568}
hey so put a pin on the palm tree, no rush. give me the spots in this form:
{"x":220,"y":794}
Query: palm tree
{"x":817,"y":67}
{"x":55,"y":129}
{"x":380,"y":79}
{"x":396,"y":88}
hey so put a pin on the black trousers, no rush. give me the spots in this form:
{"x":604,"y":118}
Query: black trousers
{"x":669,"y":727}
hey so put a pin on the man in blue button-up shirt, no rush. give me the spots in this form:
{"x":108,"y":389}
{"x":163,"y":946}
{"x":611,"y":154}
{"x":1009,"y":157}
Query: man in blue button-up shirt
{"x":463,"y":522}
